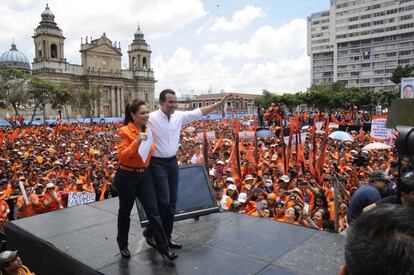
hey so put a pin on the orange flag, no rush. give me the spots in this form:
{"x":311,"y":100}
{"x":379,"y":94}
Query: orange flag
{"x":1,"y":136}
{"x":322,"y":154}
{"x":218,"y":144}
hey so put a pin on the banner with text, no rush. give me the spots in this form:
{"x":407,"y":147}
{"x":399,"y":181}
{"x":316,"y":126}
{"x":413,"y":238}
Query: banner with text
{"x":378,"y":130}
{"x":210,"y":136}
{"x":79,"y":198}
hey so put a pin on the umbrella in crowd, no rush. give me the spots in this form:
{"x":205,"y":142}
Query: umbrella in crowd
{"x":341,"y":135}
{"x":376,"y":146}
{"x":265,"y":134}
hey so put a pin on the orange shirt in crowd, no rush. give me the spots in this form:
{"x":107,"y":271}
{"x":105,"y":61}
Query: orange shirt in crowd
{"x":52,"y":203}
{"x":24,"y":210}
{"x":4,"y":211}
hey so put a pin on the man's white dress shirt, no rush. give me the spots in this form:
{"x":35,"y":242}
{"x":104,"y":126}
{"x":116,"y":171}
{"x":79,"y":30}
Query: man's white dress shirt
{"x":166,"y":132}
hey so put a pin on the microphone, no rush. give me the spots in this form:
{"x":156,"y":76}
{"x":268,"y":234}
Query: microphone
{"x":143,"y":128}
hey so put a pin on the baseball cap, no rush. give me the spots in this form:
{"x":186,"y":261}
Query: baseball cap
{"x":268,"y":182}
{"x":50,"y":185}
{"x":249,"y":177}
{"x":7,"y":256}
{"x":232,"y":187}
{"x":285,"y":178}
{"x":230,"y":179}
{"x":380,"y":175}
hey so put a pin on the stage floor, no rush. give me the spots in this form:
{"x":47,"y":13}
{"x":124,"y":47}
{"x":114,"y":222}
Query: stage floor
{"x":220,"y":243}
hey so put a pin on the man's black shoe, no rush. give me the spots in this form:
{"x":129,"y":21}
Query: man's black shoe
{"x":125,"y":253}
{"x":169,"y":254}
{"x":150,"y":240}
{"x":175,"y":245}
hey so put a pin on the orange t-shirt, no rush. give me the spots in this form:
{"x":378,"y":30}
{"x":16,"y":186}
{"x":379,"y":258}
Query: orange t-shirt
{"x":4,"y":211}
{"x":54,"y":205}
{"x":128,"y":148}
{"x":25,"y":210}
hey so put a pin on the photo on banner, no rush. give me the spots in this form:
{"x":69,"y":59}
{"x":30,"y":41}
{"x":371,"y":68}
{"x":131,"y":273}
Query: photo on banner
{"x":407,"y":87}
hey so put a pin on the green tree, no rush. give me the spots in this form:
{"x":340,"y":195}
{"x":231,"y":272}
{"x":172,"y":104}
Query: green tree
{"x":88,"y":99}
{"x":41,"y":91}
{"x":62,"y":97}
{"x":400,"y":72}
{"x":265,"y":100}
{"x":13,"y":89}
{"x":290,"y":100}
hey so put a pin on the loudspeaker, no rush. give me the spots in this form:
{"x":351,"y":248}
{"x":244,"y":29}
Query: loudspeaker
{"x":195,"y":195}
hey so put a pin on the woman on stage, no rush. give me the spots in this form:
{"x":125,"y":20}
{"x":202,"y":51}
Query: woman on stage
{"x":133,"y":178}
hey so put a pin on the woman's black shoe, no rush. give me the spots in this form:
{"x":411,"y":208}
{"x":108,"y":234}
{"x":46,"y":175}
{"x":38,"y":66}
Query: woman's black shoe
{"x":169,"y":254}
{"x":125,"y":253}
{"x":149,"y":238}
{"x":175,"y":245}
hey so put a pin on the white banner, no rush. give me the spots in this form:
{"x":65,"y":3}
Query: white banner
{"x":210,"y":136}
{"x":79,"y":198}
{"x":378,"y":130}
{"x":319,"y":125}
{"x":246,"y":134}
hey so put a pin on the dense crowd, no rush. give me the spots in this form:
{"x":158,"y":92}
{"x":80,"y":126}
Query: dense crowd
{"x":289,"y":181}
{"x":294,"y":182}
{"x":49,"y":162}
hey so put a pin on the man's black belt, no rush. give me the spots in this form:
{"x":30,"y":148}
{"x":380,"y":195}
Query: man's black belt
{"x":165,"y":159}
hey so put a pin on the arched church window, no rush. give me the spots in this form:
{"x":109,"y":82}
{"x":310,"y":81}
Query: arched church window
{"x":39,"y":50}
{"x":133,"y":63}
{"x":144,"y":62}
{"x":44,"y":49}
{"x":53,"y":51}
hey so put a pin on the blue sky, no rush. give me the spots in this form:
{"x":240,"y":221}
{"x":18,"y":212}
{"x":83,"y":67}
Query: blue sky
{"x":237,"y":45}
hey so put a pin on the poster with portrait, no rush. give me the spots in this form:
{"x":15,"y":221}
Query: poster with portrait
{"x":407,"y":87}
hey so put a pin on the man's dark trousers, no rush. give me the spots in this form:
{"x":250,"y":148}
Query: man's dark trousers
{"x":164,"y":173}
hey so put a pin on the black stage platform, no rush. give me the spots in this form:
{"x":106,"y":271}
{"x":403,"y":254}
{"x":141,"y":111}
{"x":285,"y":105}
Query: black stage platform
{"x":81,"y":240}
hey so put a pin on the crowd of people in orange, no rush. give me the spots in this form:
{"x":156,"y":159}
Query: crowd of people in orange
{"x":49,"y":162}
{"x":292,"y":181}
{"x":289,"y":181}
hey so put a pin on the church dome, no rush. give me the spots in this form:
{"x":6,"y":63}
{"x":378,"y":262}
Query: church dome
{"x":47,"y":14}
{"x":14,"y":59}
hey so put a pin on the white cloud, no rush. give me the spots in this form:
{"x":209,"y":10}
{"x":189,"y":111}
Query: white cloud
{"x":286,"y":41}
{"x":183,"y":72}
{"x":239,"y":20}
{"x":78,"y":18}
{"x":273,"y":58}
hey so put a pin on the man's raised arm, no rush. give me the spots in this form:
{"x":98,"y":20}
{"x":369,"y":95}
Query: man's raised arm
{"x":208,"y":109}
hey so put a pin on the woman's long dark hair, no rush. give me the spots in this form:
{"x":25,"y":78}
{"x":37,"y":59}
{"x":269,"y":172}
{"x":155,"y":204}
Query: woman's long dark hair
{"x":132,"y":108}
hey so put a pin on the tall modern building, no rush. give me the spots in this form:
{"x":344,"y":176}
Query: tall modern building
{"x":360,"y":42}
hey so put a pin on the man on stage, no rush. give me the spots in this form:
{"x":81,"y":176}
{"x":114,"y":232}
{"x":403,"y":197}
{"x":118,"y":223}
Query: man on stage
{"x":165,"y":124}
